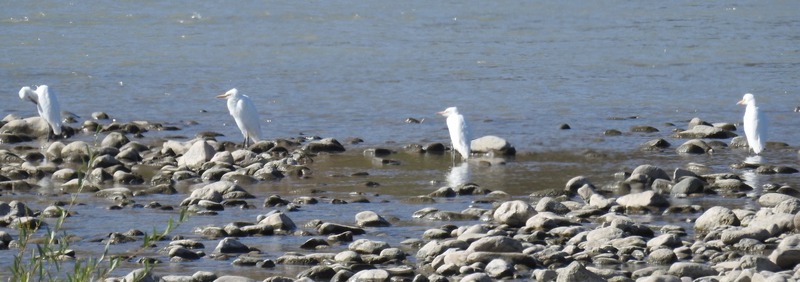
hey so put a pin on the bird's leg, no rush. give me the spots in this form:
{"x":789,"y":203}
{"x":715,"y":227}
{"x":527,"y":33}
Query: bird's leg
{"x":453,"y":155}
{"x":49,"y":134}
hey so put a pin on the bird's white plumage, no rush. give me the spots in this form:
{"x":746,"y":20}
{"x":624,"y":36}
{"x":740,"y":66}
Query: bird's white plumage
{"x":459,"y":131}
{"x":46,"y":104}
{"x":755,"y":124}
{"x":244,"y":113}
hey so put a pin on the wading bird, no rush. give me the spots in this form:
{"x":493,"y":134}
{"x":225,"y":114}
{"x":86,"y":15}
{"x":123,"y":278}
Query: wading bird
{"x":459,"y":132}
{"x":47,"y":105}
{"x":244,"y":113}
{"x":755,"y":124}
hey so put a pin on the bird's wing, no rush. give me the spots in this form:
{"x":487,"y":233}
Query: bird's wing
{"x":249,"y":118}
{"x":459,"y":133}
{"x":50,"y":110}
{"x":759,"y":129}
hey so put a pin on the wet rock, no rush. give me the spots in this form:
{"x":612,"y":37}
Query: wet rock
{"x":329,"y":228}
{"x":576,"y":272}
{"x":223,"y":157}
{"x":549,"y":204}
{"x":564,"y":126}
{"x":216,"y":192}
{"x":279,"y":221}
{"x":498,"y":268}
{"x":314,"y":243}
{"x":714,"y":217}
{"x":32,"y":126}
{"x":275,"y":201}
{"x":493,"y":144}
{"x":370,"y":219}
{"x":733,"y":235}
{"x":328,"y":145}
{"x":64,"y":174}
{"x":694,"y":147}
{"x":13,"y":138}
{"x":365,"y":246}
{"x":738,"y":142}
{"x":691,"y":269}
{"x":476,"y":277}
{"x":104,"y":161}
{"x":444,"y":192}
{"x":114,"y":193}
{"x":661,"y":257}
{"x":773,"y":199}
{"x":612,"y":132}
{"x":687,"y":185}
{"x":436,"y":247}
{"x":129,"y":155}
{"x":318,"y":273}
{"x":183,"y":254}
{"x":341,"y":237}
{"x":233,"y":278}
{"x":652,"y":172}
{"x":730,"y":185}
{"x":100,"y":115}
{"x":697,"y":121}
{"x":643,"y":128}
{"x":114,"y":139}
{"x":76,"y":152}
{"x":377,"y":152}
{"x":546,"y":221}
{"x":577,"y":182}
{"x":371,"y":275}
{"x":787,"y":254}
{"x":655,"y":145}
{"x":230,"y":246}
{"x":439,"y":215}
{"x":775,"y":223}
{"x":495,"y":244}
{"x":434,"y":148}
{"x":643,"y":200}
{"x":514,"y":213}
{"x":199,"y":153}
{"x":704,"y":132}
{"x":141,"y":275}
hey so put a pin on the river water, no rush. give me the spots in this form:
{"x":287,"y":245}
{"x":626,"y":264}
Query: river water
{"x":360,"y":68}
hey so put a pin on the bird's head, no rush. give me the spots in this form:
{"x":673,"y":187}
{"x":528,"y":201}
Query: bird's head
{"x":747,"y":99}
{"x":23,"y":92}
{"x":231,"y":92}
{"x":449,"y":111}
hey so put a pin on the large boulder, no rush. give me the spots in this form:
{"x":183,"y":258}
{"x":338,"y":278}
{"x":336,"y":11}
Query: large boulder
{"x":514,"y":213}
{"x":493,"y":144}
{"x":199,"y":153}
{"x":328,"y":145}
{"x":704,"y":132}
{"x":715,"y":216}
{"x":643,"y":200}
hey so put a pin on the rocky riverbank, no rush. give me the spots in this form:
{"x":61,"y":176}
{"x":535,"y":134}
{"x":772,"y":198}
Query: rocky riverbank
{"x":621,"y":228}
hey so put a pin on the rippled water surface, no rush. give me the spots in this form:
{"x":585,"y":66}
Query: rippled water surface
{"x":360,"y":68}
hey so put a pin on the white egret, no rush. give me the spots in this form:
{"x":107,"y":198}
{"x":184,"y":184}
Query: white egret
{"x":755,"y":124}
{"x":459,"y":131}
{"x":47,"y":105}
{"x":244,"y":113}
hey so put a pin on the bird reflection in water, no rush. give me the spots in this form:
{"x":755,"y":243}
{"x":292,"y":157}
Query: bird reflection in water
{"x":458,"y":175}
{"x":749,"y":175}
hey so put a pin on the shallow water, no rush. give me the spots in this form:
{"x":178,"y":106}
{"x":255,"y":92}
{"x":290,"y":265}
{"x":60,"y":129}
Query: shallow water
{"x":342,"y":69}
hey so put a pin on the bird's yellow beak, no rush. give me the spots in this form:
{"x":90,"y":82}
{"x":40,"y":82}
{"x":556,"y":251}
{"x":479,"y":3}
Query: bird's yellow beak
{"x":440,"y":113}
{"x":223,"y":95}
{"x":741,"y":102}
